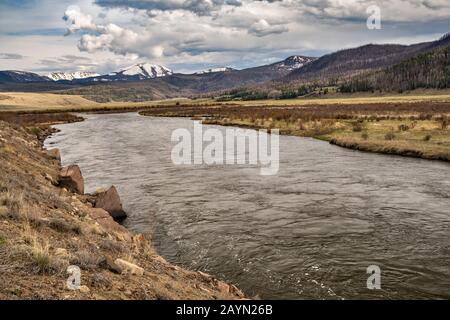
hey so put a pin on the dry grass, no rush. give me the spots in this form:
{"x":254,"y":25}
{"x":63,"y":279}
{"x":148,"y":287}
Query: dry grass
{"x":414,"y":129}
{"x":49,"y":102}
{"x":40,"y":236}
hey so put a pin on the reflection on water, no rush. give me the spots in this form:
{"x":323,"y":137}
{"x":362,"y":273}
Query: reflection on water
{"x":309,"y":232}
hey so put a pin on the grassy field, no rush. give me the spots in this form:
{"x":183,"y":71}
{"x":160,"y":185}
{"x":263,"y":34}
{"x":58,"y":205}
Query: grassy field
{"x":409,"y":124}
{"x":49,"y":102}
{"x":418,"y":129}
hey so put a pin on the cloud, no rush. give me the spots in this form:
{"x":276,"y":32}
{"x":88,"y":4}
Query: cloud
{"x":200,"y":7}
{"x":262,"y":28}
{"x":112,"y":38}
{"x":11,"y":56}
{"x":78,"y":20}
{"x":197,"y":34}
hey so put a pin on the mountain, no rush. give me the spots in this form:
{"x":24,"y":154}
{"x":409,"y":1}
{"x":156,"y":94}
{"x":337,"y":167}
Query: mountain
{"x":137,"y":72}
{"x":294,"y":63}
{"x":426,"y":70}
{"x":21,"y":77}
{"x":143,"y":71}
{"x":69,"y":76}
{"x":363,"y":68}
{"x":213,"y":70}
{"x":177,"y":85}
{"x":349,"y":62}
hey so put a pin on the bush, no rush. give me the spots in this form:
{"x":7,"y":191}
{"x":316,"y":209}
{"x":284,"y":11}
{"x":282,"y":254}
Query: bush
{"x":444,"y":121}
{"x":41,"y":256}
{"x":2,"y":240}
{"x":365,"y":136}
{"x":427,"y":137}
{"x":403,"y":127}
{"x":12,"y":202}
{"x":357,"y":127}
{"x":35,"y":131}
{"x":389,"y":136}
{"x":63,"y":226}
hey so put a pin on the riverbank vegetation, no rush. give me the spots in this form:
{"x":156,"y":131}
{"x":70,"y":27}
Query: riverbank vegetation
{"x":410,"y":129}
{"x":406,"y":124}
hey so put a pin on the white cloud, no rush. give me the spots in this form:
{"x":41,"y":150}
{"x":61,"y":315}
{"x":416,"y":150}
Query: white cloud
{"x":197,"y":34}
{"x":78,"y":20}
{"x":262,"y":28}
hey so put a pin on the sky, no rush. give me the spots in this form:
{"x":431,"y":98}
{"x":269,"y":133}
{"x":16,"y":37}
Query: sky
{"x":102,"y":36}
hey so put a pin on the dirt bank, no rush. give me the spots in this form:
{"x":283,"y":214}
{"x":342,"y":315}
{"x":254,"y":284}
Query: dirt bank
{"x":44,"y":229}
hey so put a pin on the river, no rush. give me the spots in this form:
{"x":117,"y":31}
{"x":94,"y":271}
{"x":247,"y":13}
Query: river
{"x":309,"y":232}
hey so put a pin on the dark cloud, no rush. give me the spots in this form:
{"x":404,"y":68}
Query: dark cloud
{"x":200,"y":7}
{"x":11,"y":56}
{"x":66,"y":63}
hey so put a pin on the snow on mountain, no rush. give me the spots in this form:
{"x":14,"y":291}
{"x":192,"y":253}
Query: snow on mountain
{"x":69,"y":76}
{"x":213,"y":70}
{"x":294,"y":62}
{"x":145,"y":71}
{"x":21,"y":76}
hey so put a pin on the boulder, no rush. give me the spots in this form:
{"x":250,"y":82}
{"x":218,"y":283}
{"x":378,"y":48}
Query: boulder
{"x":54,"y":154}
{"x":108,"y":264}
{"x":103,"y":218}
{"x":109,"y":200}
{"x":129,"y":268}
{"x":71,"y":178}
{"x":84,"y":289}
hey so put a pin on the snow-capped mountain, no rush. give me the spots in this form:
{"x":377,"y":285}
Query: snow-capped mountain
{"x":21,"y":77}
{"x":144,"y":71}
{"x":294,"y":62}
{"x":69,"y":76}
{"x":213,"y":70}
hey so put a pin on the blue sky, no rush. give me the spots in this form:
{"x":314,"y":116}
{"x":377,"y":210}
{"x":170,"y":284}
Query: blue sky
{"x":192,"y":35}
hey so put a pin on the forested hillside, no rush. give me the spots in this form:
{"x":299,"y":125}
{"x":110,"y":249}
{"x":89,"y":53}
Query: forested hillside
{"x":428,"y":70}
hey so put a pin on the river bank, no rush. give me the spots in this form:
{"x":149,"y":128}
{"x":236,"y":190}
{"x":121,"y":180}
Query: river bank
{"x":310,"y":232}
{"x":419,"y":130}
{"x":45,"y":228}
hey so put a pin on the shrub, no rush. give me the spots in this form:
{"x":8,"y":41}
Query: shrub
{"x":427,"y":137}
{"x":444,"y":121}
{"x":35,"y":131}
{"x":12,"y":202}
{"x":62,"y":225}
{"x":2,"y":240}
{"x":41,"y":256}
{"x":389,"y":136}
{"x":85,"y":260}
{"x":403,"y":127}
{"x":357,"y":127}
{"x":365,"y":136}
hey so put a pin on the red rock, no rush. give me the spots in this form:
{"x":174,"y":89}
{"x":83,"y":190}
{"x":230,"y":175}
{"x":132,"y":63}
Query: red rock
{"x":110,"y":201}
{"x":54,"y":154}
{"x":103,"y":218}
{"x":71,"y":178}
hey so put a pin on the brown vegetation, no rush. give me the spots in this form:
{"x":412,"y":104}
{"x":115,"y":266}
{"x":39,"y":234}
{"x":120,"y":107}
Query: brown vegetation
{"x":394,"y":128}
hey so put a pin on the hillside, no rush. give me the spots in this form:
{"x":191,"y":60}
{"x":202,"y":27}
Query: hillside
{"x":428,"y":70}
{"x":10,"y":76}
{"x":345,"y":63}
{"x":44,"y":229}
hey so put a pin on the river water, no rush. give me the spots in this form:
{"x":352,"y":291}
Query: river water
{"x":309,"y":232}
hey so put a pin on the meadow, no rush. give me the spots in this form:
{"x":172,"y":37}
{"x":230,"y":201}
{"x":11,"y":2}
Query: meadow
{"x":413,"y":124}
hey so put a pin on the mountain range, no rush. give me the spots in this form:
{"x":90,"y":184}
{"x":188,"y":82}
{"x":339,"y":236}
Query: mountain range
{"x":362,"y":68}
